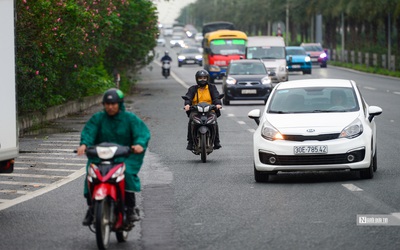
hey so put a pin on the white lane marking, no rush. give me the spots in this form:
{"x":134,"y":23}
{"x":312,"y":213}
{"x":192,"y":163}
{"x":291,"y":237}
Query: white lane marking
{"x":3,"y":200}
{"x":251,"y":130}
{"x":397,"y":215}
{"x":55,"y":149}
{"x":241,"y":122}
{"x":46,"y":169}
{"x":231,"y":115}
{"x":397,"y":93}
{"x":10,"y":191}
{"x":41,"y":191}
{"x":22,"y":183}
{"x":57,"y":163}
{"x":370,"y":88}
{"x":352,"y":187}
{"x":33,"y":176}
{"x":43,"y":157}
{"x":63,"y":142}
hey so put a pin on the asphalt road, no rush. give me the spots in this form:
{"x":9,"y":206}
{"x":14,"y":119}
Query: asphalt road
{"x":187,"y":204}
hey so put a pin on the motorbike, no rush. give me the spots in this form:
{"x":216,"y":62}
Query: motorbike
{"x":166,"y":65}
{"x":203,"y":128}
{"x":106,"y":182}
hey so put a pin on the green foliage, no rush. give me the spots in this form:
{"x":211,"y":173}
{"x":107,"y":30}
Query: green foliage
{"x":63,"y":47}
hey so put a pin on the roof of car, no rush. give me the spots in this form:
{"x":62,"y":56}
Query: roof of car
{"x":303,"y":44}
{"x":294,"y":47}
{"x":316,"y":83}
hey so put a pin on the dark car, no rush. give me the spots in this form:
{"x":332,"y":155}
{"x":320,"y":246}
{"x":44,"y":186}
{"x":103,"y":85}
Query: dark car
{"x":191,"y":55}
{"x":297,"y":59}
{"x":317,"y":53}
{"x":246,"y":79}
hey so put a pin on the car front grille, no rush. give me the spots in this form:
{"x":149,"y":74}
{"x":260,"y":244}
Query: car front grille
{"x":248,"y":83}
{"x":323,"y":159}
{"x":323,"y":137}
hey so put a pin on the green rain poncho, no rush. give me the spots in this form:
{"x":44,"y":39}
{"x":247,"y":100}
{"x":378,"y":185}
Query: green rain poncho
{"x":125,"y":129}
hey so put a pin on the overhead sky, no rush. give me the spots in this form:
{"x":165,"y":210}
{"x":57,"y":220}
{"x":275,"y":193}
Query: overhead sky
{"x":168,"y":11}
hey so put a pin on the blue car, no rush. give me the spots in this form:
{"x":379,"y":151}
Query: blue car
{"x":298,"y":60}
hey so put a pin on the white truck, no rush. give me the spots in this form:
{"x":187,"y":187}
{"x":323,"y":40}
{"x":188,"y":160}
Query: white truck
{"x":9,"y":133}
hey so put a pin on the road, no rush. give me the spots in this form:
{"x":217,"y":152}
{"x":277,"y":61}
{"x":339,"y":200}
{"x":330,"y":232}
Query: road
{"x":187,"y":204}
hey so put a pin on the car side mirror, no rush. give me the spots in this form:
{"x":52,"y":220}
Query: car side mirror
{"x":255,"y":115}
{"x":373,"y":111}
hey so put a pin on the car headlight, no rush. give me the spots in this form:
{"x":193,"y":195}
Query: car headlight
{"x":230,"y":80}
{"x":266,"y":80}
{"x":282,"y":68}
{"x":270,"y":133}
{"x":354,"y":130}
{"x":307,"y":59}
{"x":323,"y":55}
{"x":181,"y":58}
{"x":214,"y":68}
{"x":199,"y":57}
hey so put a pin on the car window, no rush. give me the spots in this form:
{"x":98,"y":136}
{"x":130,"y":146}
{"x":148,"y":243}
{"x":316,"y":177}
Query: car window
{"x":190,"y":51}
{"x":247,"y":69}
{"x":313,"y":100}
{"x":294,"y":52}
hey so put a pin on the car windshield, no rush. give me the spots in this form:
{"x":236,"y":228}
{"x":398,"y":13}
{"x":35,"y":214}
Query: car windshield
{"x":313,"y":100}
{"x":228,"y":46}
{"x":295,"y":52}
{"x":312,"y":48}
{"x":247,"y":69}
{"x":190,"y":51}
{"x":266,"y":52}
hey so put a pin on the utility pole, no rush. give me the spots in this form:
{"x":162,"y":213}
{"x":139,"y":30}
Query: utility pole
{"x":287,"y":23}
{"x":343,"y":32}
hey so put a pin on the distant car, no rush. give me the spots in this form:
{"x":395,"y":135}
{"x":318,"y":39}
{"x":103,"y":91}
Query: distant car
{"x":298,"y":60}
{"x":190,"y":56}
{"x":177,"y":41}
{"x":317,"y":53}
{"x":315,"y":125}
{"x":161,"y":41}
{"x":198,"y":37}
{"x":246,"y":79}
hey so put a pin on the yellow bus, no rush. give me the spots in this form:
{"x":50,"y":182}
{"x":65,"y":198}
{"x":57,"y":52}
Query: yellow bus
{"x":219,"y":48}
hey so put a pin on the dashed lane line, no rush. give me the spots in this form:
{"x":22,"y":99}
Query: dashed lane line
{"x":22,"y":183}
{"x":32,"y":176}
{"x":46,"y":169}
{"x":241,"y":122}
{"x":352,"y":187}
{"x":56,"y":163}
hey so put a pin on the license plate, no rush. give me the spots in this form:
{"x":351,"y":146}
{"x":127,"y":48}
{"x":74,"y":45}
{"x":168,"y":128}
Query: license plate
{"x":249,"y":91}
{"x":296,"y":66}
{"x":190,"y":61}
{"x":304,"y":150}
{"x":314,"y":59}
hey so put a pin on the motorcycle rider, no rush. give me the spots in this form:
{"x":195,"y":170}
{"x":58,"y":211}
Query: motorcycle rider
{"x":166,"y":57}
{"x":202,"y":92}
{"x":115,"y":124}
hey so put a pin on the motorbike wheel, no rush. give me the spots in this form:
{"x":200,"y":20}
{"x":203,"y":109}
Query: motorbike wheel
{"x":203,"y":144}
{"x":122,"y":236}
{"x":102,"y":223}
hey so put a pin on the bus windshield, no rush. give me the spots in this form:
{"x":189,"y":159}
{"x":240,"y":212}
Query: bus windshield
{"x":228,"y":46}
{"x":266,"y":52}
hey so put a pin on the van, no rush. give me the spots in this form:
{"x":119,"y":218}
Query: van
{"x":271,"y":50}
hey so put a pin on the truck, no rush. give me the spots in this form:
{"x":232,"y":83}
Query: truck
{"x":9,"y":132}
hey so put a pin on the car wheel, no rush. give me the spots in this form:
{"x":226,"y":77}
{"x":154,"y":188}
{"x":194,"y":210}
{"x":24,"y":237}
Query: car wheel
{"x":260,"y":176}
{"x":200,"y":64}
{"x":369,"y":172}
{"x":179,"y":65}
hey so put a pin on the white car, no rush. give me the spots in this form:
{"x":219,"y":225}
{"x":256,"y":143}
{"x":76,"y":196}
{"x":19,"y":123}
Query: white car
{"x":304,"y":128}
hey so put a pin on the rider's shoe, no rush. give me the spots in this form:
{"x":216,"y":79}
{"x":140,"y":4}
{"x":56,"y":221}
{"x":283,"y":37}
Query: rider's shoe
{"x":132,"y":214}
{"x":217,"y":145}
{"x":87,"y":221}
{"x":189,"y":146}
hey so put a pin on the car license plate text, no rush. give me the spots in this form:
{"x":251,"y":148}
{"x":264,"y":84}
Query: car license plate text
{"x":249,"y":91}
{"x":320,"y":149}
{"x":296,"y":66}
{"x":190,"y":61}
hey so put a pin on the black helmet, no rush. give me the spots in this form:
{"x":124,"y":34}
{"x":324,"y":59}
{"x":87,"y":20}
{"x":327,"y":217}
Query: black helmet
{"x":166,"y":53}
{"x":113,"y":96}
{"x":202,"y":73}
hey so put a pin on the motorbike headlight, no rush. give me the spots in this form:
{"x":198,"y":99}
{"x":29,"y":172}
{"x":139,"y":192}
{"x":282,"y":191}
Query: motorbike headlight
{"x":206,"y":109}
{"x":181,"y":58}
{"x":323,"y":55}
{"x":270,"y":133}
{"x":230,"y":80}
{"x":200,"y":109}
{"x":266,"y":80}
{"x":354,"y":130}
{"x":307,"y":59}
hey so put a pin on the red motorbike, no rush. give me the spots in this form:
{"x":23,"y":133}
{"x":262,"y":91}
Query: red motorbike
{"x":106,"y":182}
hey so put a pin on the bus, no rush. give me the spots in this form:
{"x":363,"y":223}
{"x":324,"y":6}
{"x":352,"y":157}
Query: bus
{"x":9,"y":133}
{"x":219,"y":25}
{"x":219,"y":48}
